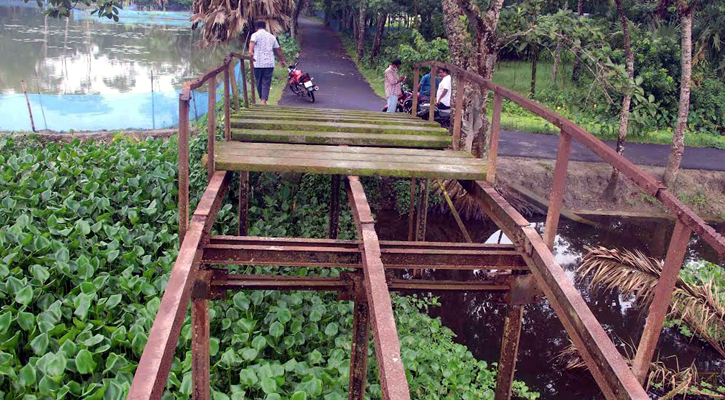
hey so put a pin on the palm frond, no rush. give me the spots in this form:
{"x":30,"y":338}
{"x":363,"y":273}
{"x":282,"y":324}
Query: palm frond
{"x":467,"y":206}
{"x":702,"y":307}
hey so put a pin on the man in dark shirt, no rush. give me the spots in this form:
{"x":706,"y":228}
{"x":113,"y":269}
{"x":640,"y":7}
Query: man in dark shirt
{"x":425,"y":87}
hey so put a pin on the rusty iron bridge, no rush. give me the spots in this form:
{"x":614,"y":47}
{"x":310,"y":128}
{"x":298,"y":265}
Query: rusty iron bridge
{"x":347,"y":144}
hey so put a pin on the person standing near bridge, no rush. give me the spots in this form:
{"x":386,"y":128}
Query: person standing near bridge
{"x":262,"y":47}
{"x":393,"y":85}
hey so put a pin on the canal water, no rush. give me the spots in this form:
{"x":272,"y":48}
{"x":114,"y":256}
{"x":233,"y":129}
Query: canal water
{"x":478,"y":322}
{"x":84,"y":73}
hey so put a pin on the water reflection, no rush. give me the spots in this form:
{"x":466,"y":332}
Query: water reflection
{"x":81,"y":56}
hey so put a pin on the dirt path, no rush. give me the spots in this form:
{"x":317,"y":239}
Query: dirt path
{"x":341,"y":84}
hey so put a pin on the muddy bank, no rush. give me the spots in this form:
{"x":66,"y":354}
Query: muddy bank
{"x":703,"y":191}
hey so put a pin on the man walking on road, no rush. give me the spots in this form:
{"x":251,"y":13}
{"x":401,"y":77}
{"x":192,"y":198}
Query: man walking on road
{"x":262,"y":47}
{"x":392,"y":85}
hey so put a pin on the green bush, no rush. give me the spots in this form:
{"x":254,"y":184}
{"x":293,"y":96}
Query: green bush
{"x":707,"y":109}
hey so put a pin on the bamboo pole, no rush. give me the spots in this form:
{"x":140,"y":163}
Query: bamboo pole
{"x":30,"y":110}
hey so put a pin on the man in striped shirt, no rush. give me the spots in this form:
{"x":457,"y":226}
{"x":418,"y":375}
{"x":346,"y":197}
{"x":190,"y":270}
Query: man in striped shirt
{"x":262,"y":47}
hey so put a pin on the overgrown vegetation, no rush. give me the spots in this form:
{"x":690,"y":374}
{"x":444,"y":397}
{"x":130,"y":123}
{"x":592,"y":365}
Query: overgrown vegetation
{"x":88,"y":234}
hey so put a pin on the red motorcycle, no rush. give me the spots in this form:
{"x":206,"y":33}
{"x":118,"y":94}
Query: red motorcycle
{"x":405,"y":101}
{"x":301,"y":83}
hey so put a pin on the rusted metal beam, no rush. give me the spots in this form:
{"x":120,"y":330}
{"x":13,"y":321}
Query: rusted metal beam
{"x":225,"y":281}
{"x":558,"y":186}
{"x":243,"y":206}
{"x":411,"y":211}
{"x":251,"y":79}
{"x":391,"y":372}
{"x":492,"y":164}
{"x":423,"y":199}
{"x":456,"y":216}
{"x":227,"y":107}
{"x":416,"y":89}
{"x":211,"y":127}
{"x":509,"y":350}
{"x":200,"y":339}
{"x":231,"y":250}
{"x":458,"y":113}
{"x":153,"y":368}
{"x":693,"y":221}
{"x":334,"y":206}
{"x":243,"y":69}
{"x":235,"y":90}
{"x":359,"y":350}
{"x":609,"y":369}
{"x":661,"y":300}
{"x":183,"y":165}
{"x":433,"y":93}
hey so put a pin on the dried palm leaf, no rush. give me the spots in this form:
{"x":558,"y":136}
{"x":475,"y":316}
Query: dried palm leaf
{"x":467,"y":206}
{"x":223,"y":20}
{"x":634,"y":274}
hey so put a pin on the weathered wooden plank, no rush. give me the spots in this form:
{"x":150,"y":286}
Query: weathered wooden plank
{"x":233,"y":162}
{"x":352,"y":119}
{"x":337,"y":127}
{"x":337,"y":138}
{"x":351,"y":156}
{"x":340,"y":114}
{"x":251,"y":146}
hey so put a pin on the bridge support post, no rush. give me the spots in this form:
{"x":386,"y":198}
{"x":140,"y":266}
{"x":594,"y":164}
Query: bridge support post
{"x":200,"y":338}
{"x":235,"y":89}
{"x":411,"y":211}
{"x":211,"y":127}
{"x":360,"y":332}
{"x":460,"y":90}
{"x":423,"y":198}
{"x":433,"y":91}
{"x":242,"y":228}
{"x":557,"y":189}
{"x":334,"y":206}
{"x":509,"y":350}
{"x":227,"y":107}
{"x":661,"y":300}
{"x":254,"y":86}
{"x":183,"y":167}
{"x":243,"y":67}
{"x":416,"y":89}
{"x":493,"y":143}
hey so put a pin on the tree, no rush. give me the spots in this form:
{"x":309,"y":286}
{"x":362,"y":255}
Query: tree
{"x":299,"y":5}
{"x":626,"y":101}
{"x":478,"y":55}
{"x":576,"y":68}
{"x":360,"y":32}
{"x":378,"y":40}
{"x":684,"y":12}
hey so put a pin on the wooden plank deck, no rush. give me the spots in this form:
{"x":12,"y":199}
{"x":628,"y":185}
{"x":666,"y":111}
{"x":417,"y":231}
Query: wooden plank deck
{"x":342,"y":138}
{"x":302,"y":125}
{"x":344,"y":160}
{"x":355,"y":119}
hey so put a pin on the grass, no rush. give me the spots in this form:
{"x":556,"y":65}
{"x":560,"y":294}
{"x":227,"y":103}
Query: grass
{"x":279,"y":83}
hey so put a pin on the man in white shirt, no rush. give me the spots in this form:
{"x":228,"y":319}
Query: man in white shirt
{"x":443,"y":95}
{"x":262,"y":47}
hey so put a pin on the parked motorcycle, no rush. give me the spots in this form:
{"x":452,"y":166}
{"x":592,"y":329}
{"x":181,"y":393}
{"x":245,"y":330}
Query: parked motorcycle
{"x":443,"y":117}
{"x":405,"y":101}
{"x":301,"y":83}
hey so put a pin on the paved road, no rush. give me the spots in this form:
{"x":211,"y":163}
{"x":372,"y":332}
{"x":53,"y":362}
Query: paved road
{"x":342,"y":86}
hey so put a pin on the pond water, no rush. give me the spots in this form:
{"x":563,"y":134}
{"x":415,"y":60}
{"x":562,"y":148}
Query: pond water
{"x":84,"y":73}
{"x":478,"y":322}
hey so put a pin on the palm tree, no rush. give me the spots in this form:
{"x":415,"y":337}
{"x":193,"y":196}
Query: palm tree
{"x":223,"y":20}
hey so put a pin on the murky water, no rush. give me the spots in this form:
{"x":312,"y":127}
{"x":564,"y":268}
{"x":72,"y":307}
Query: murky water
{"x":478,"y":322}
{"x":92,"y":74}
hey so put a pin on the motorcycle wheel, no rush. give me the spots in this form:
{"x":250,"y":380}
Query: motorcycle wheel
{"x":408,"y":106}
{"x":294,"y":88}
{"x":312,"y":96}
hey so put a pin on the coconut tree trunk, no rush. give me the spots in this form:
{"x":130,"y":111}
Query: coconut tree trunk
{"x":361,"y":25}
{"x":378,"y":40}
{"x":678,"y":138}
{"x":577,"y":67}
{"x":534,"y":63}
{"x":611,"y":189}
{"x":295,"y":16}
